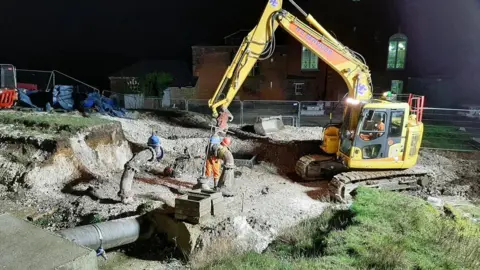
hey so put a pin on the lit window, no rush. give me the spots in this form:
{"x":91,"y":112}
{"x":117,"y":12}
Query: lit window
{"x":402,"y":47}
{"x":397,"y":51}
{"x":309,"y":60}
{"x":396,"y":87}
{"x":392,"y":54}
{"x":299,"y":88}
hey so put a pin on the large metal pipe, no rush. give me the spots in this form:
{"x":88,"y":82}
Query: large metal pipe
{"x":109,"y":234}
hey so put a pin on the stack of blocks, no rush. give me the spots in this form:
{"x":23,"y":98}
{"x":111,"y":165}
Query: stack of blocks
{"x":196,"y":207}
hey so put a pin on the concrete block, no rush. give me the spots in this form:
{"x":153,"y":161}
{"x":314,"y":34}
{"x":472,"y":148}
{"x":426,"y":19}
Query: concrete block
{"x":218,"y":209}
{"x":192,"y":213}
{"x":182,"y":234}
{"x":25,"y":246}
{"x":193,"y":202}
{"x":192,"y":220}
{"x":213,"y":194}
{"x":198,"y":193}
{"x":217,"y":200}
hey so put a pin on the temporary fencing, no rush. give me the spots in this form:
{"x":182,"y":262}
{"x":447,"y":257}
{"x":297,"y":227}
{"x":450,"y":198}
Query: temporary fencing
{"x":447,"y":129}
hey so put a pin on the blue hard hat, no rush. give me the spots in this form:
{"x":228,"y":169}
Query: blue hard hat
{"x":215,"y":139}
{"x":153,"y":140}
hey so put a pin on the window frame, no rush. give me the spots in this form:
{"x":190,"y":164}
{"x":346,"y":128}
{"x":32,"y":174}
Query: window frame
{"x":394,"y":61}
{"x":311,"y":55}
{"x":298,"y":93}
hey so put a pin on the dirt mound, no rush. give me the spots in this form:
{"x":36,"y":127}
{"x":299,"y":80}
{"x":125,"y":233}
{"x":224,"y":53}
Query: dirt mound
{"x":182,"y":118}
{"x":454,"y":174}
{"x":45,"y":163}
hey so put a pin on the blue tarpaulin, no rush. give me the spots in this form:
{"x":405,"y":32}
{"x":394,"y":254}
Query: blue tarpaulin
{"x":63,"y":97}
{"x":24,"y":99}
{"x":104,"y":105}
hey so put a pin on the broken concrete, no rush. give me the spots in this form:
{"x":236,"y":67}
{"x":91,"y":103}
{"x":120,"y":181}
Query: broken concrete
{"x":182,"y":234}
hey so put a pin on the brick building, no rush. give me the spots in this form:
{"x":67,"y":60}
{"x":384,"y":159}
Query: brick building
{"x":292,"y":73}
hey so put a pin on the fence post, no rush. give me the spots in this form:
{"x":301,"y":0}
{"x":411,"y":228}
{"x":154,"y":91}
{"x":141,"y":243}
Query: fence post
{"x":299,"y":124}
{"x":186,"y":105}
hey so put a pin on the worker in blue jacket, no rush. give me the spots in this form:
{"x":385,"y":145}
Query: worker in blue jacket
{"x":154,"y":152}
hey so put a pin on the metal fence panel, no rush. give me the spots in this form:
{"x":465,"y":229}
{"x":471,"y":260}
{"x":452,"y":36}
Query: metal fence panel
{"x":152,"y":103}
{"x":317,"y":113}
{"x":451,"y":129}
{"x":445,"y":129}
{"x":267,"y":108}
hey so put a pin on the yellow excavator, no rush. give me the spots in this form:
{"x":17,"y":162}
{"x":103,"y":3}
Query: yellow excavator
{"x":378,"y":141}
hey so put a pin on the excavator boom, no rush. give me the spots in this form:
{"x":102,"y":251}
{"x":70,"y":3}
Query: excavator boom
{"x":259,"y":44}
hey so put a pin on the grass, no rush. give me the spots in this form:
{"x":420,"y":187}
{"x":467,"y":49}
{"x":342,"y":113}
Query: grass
{"x":444,"y":137}
{"x":50,"y":122}
{"x":382,"y":230}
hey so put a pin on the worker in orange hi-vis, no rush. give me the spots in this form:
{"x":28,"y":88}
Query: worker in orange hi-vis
{"x":379,"y":126}
{"x":222,"y":120}
{"x":212,"y":164}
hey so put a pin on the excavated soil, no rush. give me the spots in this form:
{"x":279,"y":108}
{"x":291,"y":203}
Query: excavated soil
{"x":79,"y":176}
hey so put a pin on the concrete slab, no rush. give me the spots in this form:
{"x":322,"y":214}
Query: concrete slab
{"x":25,"y":246}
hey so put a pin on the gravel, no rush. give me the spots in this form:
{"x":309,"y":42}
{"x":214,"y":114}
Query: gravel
{"x":266,"y":203}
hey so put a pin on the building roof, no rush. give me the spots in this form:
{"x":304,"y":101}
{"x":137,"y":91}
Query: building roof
{"x":180,"y":71}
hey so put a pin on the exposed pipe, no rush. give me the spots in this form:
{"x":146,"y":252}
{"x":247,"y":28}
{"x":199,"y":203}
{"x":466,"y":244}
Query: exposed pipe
{"x":226,"y":178}
{"x":109,"y":234}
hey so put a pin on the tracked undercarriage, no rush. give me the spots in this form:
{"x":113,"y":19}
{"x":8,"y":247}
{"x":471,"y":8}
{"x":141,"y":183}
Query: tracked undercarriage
{"x":343,"y":182}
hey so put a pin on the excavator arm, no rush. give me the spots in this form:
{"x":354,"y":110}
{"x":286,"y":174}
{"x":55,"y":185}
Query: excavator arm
{"x":259,"y":44}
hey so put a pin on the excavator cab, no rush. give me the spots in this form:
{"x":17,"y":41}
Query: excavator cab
{"x":379,"y":135}
{"x":8,"y":86}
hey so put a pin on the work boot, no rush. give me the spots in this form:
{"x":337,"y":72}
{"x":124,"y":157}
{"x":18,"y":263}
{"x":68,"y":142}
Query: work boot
{"x":226,"y":192}
{"x":202,"y":183}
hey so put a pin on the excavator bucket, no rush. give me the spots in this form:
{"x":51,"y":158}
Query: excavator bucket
{"x":267,"y":125}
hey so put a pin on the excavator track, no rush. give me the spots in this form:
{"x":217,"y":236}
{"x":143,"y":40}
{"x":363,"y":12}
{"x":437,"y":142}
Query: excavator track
{"x":343,"y":183}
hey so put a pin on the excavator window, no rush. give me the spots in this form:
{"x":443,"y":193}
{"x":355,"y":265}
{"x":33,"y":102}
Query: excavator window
{"x":373,"y":125}
{"x":396,"y":123}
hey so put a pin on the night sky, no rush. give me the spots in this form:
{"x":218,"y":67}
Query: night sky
{"x":92,"y":39}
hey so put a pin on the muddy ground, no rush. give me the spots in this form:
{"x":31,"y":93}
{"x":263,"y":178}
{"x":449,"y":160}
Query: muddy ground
{"x":267,"y":201}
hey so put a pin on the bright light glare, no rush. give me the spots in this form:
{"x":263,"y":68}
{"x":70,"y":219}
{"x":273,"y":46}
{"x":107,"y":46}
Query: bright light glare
{"x":353,"y":101}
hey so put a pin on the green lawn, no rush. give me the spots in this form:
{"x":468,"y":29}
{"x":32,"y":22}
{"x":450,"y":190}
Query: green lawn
{"x":445,"y":137}
{"x":382,"y":230}
{"x":50,"y":122}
